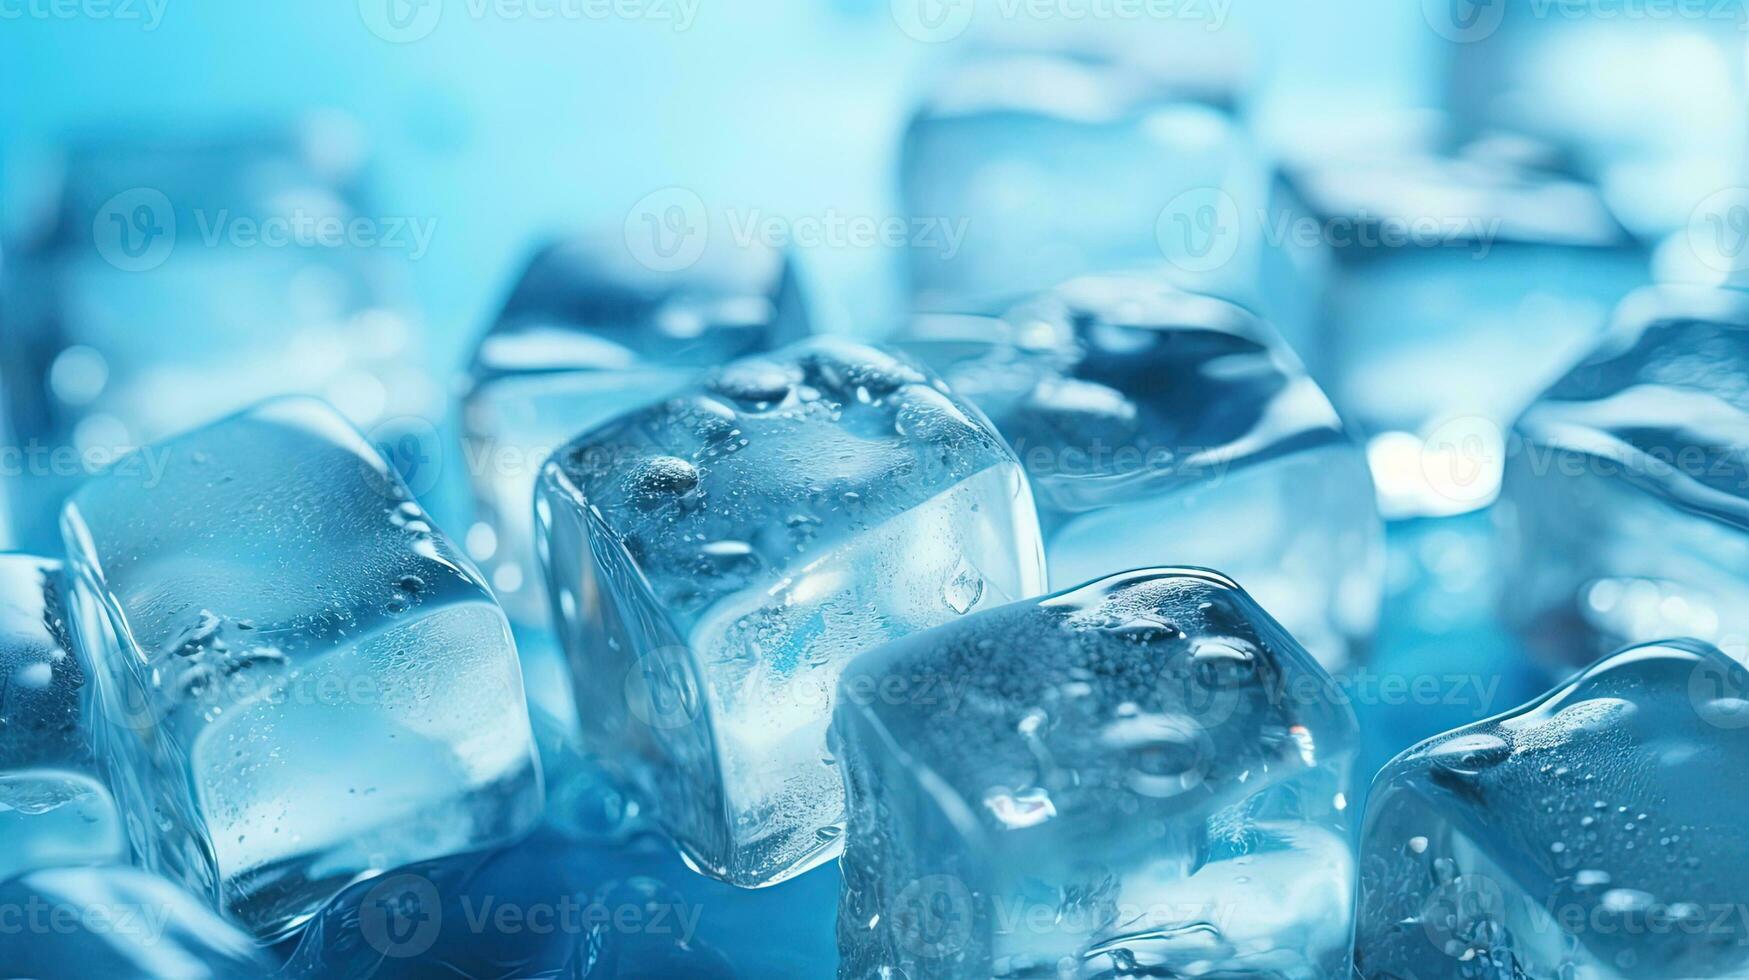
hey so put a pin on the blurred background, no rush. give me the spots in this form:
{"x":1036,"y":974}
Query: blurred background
{"x":204,"y":204}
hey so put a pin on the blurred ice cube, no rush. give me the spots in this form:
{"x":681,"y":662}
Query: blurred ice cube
{"x":306,"y":682}
{"x":590,"y":332}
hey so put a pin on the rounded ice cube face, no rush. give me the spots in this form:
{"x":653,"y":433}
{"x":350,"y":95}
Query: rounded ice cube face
{"x":716,"y":560}
{"x":55,"y":803}
{"x":118,"y":922}
{"x":1051,"y":166}
{"x":1462,"y":285}
{"x":1142,"y":774}
{"x":304,"y":681}
{"x":1625,"y":511}
{"x":1595,"y":832}
{"x":590,"y":333}
{"x":1158,"y":427}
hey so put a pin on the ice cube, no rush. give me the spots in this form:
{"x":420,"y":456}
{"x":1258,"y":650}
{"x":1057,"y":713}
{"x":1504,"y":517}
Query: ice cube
{"x":1626,"y":504}
{"x":1042,"y":167}
{"x":309,"y":684}
{"x":117,"y":922}
{"x":717,"y":558}
{"x":235,"y":246}
{"x":627,"y":910}
{"x":1163,"y":427}
{"x":589,"y":333}
{"x":1140,"y":776}
{"x":1463,"y":284}
{"x":55,"y":804}
{"x":1593,"y":832}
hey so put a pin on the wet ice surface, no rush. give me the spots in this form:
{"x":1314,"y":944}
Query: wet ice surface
{"x":1463,"y":284}
{"x":718,"y":558}
{"x":1050,"y":166}
{"x":1163,"y":427}
{"x":117,"y":922}
{"x":1591,"y":833}
{"x":55,"y":804}
{"x":1626,"y":507}
{"x":1144,"y":774}
{"x":589,"y":332}
{"x":306,"y":682}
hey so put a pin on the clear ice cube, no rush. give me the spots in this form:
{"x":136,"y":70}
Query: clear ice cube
{"x":55,"y":803}
{"x":308,"y":684}
{"x":1594,"y":832}
{"x":717,"y":558}
{"x":1142,"y":776}
{"x":117,"y":922}
{"x":233,"y":246}
{"x":1462,"y":285}
{"x":1625,"y":508}
{"x":589,"y":333}
{"x":1051,"y":166}
{"x":1163,"y":427}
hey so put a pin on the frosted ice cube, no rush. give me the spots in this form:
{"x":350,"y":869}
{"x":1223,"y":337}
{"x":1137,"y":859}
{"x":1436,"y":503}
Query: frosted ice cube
{"x":1463,"y":284}
{"x":1593,"y":833}
{"x":1049,"y":166}
{"x":309,"y":684}
{"x":1140,"y":776}
{"x":1164,"y":427}
{"x":718,"y":558}
{"x":1626,"y":503}
{"x":589,"y":333}
{"x":55,"y":804}
{"x":117,"y":922}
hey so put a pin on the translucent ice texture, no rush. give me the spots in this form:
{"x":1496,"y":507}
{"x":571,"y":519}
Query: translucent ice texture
{"x":55,"y":804}
{"x":1626,"y":502}
{"x":1163,"y":427}
{"x":1462,"y":286}
{"x":1047,"y":167}
{"x":1143,"y":776}
{"x":588,"y":333}
{"x":310,"y":684}
{"x":1592,"y":833}
{"x":718,"y":558}
{"x":185,"y":279}
{"x":117,"y":922}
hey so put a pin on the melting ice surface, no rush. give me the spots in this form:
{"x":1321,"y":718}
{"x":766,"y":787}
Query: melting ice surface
{"x":717,"y":558}
{"x":1626,"y":504}
{"x":55,"y":804}
{"x":1141,"y":776}
{"x":589,"y":332}
{"x":1592,"y":834}
{"x":1051,"y":166}
{"x":305,"y":682}
{"x":1164,"y":427}
{"x":117,"y":922}
{"x":1463,"y":285}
